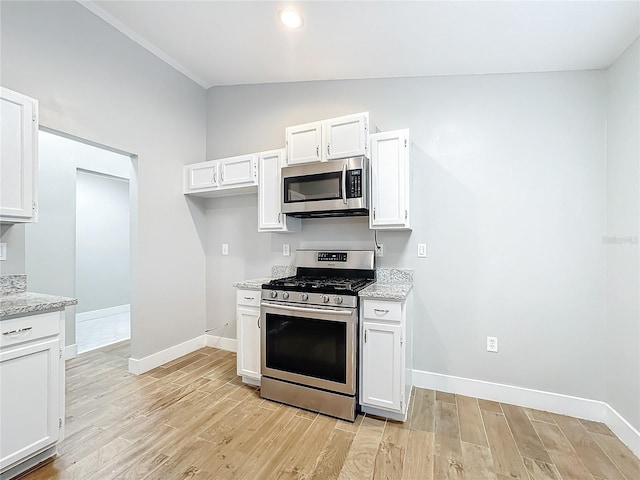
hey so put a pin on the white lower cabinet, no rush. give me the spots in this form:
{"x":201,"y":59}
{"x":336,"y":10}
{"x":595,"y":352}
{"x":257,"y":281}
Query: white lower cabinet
{"x":385,"y":386}
{"x":248,"y":333}
{"x":31,"y":390}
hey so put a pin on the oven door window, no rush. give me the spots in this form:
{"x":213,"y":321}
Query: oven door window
{"x":311,"y":188}
{"x":311,"y":347}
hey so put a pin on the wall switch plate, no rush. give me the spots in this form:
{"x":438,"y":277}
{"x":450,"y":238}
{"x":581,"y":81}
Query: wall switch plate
{"x":286,"y":250}
{"x":422,"y":250}
{"x":225,"y":249}
{"x":3,"y":251}
{"x":492,"y":344}
{"x":380,"y":250}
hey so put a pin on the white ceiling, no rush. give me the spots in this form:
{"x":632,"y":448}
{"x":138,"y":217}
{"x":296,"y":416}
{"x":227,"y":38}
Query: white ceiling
{"x":242,"y":42}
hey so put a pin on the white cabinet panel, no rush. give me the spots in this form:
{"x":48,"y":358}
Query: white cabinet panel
{"x":30,"y":398}
{"x":238,"y":170}
{"x":18,"y":157}
{"x":390,"y":181}
{"x":248,"y":333}
{"x":304,"y":143}
{"x":270,"y":217}
{"x":346,"y":136}
{"x":382,"y":368}
{"x":202,"y":175}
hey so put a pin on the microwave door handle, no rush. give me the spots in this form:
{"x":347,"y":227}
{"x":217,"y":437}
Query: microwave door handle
{"x":344,"y":184}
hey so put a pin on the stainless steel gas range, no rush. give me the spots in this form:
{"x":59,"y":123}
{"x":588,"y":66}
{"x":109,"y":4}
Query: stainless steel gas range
{"x":310,"y":331}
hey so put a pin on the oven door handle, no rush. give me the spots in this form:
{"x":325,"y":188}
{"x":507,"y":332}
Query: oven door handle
{"x":332,"y":311}
{"x":344,"y":183}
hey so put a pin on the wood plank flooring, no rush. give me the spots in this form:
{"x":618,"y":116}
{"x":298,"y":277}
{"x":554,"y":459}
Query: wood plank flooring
{"x":193,"y":419}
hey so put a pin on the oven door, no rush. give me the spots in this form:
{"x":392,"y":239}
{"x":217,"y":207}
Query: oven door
{"x":312,"y":346}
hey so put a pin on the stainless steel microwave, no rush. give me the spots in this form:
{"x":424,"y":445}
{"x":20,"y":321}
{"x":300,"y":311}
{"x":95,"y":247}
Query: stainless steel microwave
{"x":337,"y":188}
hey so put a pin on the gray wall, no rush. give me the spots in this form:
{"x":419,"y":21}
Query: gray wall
{"x":13,"y":236}
{"x":623,"y":214}
{"x":94,"y":83}
{"x":508,"y":194}
{"x":102,"y":241}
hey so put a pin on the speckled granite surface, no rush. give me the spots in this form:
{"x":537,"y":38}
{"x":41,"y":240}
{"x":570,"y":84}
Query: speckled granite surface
{"x":13,"y":284}
{"x":281,"y":271}
{"x":254,"y":283}
{"x":397,"y":291}
{"x":25,"y":303}
{"x":394,"y":275}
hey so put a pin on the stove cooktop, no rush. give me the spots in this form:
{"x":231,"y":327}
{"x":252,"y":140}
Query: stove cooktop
{"x":314,"y":284}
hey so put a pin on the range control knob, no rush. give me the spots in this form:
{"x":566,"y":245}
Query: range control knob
{"x":285,"y":295}
{"x":325,"y":298}
{"x":273,"y":294}
{"x":304,"y":297}
{"x":338,"y":299}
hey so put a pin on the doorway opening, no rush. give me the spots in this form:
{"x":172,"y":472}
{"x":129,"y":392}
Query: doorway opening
{"x":80,"y":246}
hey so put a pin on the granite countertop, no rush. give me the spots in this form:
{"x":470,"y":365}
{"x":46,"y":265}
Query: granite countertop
{"x":15,"y":300}
{"x":254,"y":283}
{"x":386,"y":291}
{"x":22,"y":303}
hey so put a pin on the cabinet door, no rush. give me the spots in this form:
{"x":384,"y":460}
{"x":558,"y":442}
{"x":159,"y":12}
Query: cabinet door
{"x":346,"y":136}
{"x":248,"y":324}
{"x":382,"y":365}
{"x":201,"y":175}
{"x":390,"y":180}
{"x":238,"y":170}
{"x":29,"y":394}
{"x":270,"y":217}
{"x":18,"y":156}
{"x":304,"y":143}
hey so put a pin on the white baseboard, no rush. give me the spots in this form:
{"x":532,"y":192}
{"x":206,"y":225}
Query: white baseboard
{"x":138,"y":366}
{"x":70,"y":351}
{"x":525,"y":397}
{"x":623,"y":430}
{"x":223,"y":343}
{"x":103,"y":312}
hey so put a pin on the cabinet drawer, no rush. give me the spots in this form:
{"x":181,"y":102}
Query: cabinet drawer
{"x":380,"y":310}
{"x":26,"y":329}
{"x":250,"y":298}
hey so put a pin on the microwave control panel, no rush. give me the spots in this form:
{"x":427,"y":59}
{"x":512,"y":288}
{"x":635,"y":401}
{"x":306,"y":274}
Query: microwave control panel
{"x":354,"y":183}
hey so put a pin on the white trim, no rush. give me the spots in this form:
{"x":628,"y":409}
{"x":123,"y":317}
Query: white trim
{"x":70,"y":351}
{"x":102,"y":312}
{"x":623,"y":430}
{"x":525,"y":397}
{"x":223,"y":343}
{"x":141,"y":365}
{"x":140,"y":40}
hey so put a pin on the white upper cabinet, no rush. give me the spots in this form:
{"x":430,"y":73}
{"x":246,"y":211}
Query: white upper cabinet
{"x":331,"y":139}
{"x":18,"y":157}
{"x":202,"y":175}
{"x":270,"y":216}
{"x":346,"y":136}
{"x":227,"y":176}
{"x":238,"y":170}
{"x":304,"y":143}
{"x":390,"y":181}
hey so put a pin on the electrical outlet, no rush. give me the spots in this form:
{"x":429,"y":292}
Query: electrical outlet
{"x":422,"y":250}
{"x":380,"y":250}
{"x":492,"y":344}
{"x":286,"y":250}
{"x":3,"y":251}
{"x":225,"y":249}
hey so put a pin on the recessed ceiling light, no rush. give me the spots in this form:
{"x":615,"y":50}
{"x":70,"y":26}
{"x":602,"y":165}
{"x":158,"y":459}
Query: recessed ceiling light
{"x":290,"y":17}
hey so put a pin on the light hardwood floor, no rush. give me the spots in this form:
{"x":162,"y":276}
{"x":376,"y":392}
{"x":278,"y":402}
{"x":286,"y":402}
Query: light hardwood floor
{"x":193,"y":418}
